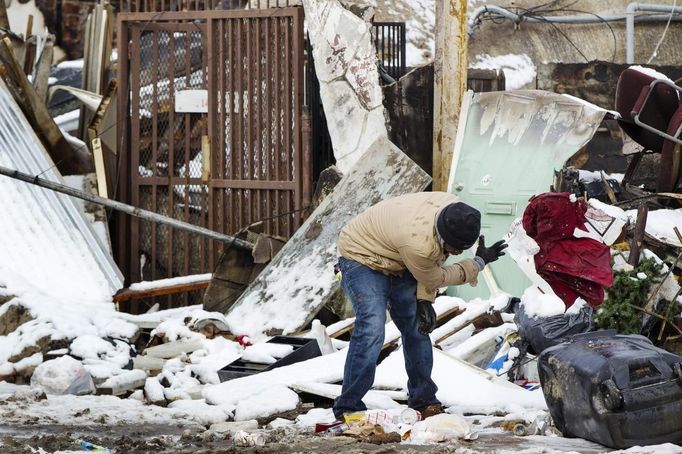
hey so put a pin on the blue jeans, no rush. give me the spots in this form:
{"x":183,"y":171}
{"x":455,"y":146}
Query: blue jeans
{"x":371,"y":293}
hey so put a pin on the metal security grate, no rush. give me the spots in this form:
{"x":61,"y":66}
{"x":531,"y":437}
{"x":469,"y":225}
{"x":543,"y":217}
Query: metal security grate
{"x":390,"y":43}
{"x":237,"y":162}
{"x":146,"y":6}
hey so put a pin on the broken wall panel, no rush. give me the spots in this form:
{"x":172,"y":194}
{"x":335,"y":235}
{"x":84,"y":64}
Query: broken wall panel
{"x":48,"y":215}
{"x":300,"y":279}
{"x":345,"y":64}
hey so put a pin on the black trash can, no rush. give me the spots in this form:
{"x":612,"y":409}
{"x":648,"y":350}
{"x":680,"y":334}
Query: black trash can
{"x":617,"y":390}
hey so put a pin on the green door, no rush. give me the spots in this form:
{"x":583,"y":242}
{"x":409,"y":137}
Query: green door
{"x":508,"y":146}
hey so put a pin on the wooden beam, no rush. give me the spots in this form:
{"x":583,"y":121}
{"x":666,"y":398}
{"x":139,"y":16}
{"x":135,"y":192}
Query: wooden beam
{"x":450,"y":84}
{"x":440,"y":319}
{"x":127,"y":294}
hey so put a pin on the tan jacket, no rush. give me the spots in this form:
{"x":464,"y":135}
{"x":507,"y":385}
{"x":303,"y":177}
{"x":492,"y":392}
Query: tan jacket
{"x":400,"y":233}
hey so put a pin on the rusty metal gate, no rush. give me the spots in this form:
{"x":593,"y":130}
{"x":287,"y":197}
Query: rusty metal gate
{"x":211,"y":107}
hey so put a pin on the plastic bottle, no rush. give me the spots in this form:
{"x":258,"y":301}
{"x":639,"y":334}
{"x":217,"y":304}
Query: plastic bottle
{"x":410,"y":416}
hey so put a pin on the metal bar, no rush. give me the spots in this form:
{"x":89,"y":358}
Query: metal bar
{"x":206,"y":248}
{"x":259,"y":128}
{"x":155,"y":131}
{"x":231,"y":92}
{"x":277,"y":126}
{"x":268,"y":129}
{"x":403,"y":50}
{"x":289,"y":152}
{"x":135,"y":154}
{"x":187,"y":151}
{"x":248,"y":119}
{"x":178,"y":16}
{"x":297,"y":89}
{"x":240,"y":115}
{"x":279,"y":185}
{"x":218,"y":134}
{"x":123,"y":120}
{"x":171,"y":138}
{"x":123,"y":207}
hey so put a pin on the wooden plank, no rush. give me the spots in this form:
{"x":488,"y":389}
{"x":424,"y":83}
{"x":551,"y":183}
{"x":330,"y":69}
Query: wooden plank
{"x":127,"y":294}
{"x":298,"y":282}
{"x":173,"y":349}
{"x":98,"y":156}
{"x":440,"y":318}
{"x":145,"y":362}
{"x":68,"y":160}
{"x":41,"y":70}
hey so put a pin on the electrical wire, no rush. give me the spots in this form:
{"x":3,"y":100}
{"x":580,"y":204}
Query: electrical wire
{"x":665,"y":30}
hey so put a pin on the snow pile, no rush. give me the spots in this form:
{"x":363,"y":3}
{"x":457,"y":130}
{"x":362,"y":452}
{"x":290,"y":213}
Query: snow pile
{"x":660,"y":224}
{"x":519,"y":70}
{"x":538,"y":304}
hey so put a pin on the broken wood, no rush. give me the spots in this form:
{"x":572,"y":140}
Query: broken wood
{"x":460,"y":327}
{"x":145,"y":362}
{"x":121,"y":384}
{"x":68,"y":160}
{"x":286,"y":283}
{"x":4,"y":20}
{"x":173,"y":349}
{"x":638,"y":237}
{"x":41,"y":70}
{"x":440,"y":320}
{"x":127,"y":294}
{"x":237,"y":268}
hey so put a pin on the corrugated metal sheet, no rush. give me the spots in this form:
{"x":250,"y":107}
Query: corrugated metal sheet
{"x":41,"y":228}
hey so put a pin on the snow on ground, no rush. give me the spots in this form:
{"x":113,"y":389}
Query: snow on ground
{"x":19,"y":402}
{"x":660,"y":224}
{"x":519,"y":70}
{"x":460,"y":385}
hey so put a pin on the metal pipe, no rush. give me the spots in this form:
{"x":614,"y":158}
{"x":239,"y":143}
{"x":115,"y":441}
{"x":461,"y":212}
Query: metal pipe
{"x":129,"y":209}
{"x":629,"y":17}
{"x":630,"y":11}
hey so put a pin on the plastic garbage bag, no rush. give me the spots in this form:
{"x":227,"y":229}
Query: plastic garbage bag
{"x":442,"y":427}
{"x":544,"y":332}
{"x":63,"y":375}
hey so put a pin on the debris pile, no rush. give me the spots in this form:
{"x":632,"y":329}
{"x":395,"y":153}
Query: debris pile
{"x":262,"y":358}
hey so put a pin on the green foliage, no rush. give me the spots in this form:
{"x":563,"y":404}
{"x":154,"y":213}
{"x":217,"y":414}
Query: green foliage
{"x":627,"y":292}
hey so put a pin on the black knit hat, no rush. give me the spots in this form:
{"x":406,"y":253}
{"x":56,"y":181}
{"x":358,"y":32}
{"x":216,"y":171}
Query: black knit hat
{"x":459,"y":225}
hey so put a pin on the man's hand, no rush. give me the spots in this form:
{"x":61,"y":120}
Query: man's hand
{"x":427,"y":317}
{"x":492,"y":253}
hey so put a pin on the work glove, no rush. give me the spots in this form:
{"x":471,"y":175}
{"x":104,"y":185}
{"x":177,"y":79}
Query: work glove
{"x":427,"y":316}
{"x":492,"y":253}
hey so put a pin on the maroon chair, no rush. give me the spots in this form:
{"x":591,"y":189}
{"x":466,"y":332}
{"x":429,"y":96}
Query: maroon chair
{"x":651,"y":114}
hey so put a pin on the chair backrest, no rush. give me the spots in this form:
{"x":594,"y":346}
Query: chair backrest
{"x":669,"y":177}
{"x":662,"y":103}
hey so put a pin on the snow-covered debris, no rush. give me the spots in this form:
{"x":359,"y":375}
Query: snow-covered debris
{"x":462,"y":386}
{"x":660,"y":224}
{"x":273,"y":400}
{"x":266,"y":353}
{"x":201,"y":412}
{"x":538,"y":304}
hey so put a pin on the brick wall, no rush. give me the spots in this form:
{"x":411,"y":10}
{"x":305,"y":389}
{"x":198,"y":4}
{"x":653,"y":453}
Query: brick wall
{"x":66,"y":20}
